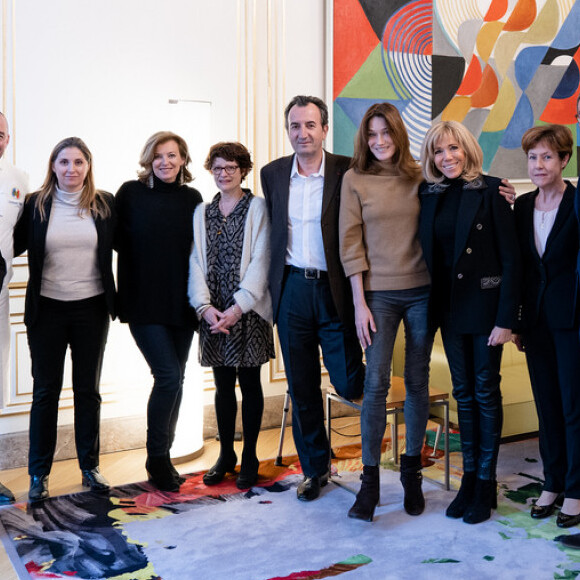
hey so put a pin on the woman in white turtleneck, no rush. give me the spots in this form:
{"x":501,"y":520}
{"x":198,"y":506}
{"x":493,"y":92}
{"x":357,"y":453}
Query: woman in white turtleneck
{"x":68,"y":228}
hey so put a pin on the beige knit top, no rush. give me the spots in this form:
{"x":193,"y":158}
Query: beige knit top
{"x":379,"y":222}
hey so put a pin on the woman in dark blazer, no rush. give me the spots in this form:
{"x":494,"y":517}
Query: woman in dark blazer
{"x":470,"y":247}
{"x":68,"y":229}
{"x":548,"y":232}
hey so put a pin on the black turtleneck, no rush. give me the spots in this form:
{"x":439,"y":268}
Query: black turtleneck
{"x":154,"y":237}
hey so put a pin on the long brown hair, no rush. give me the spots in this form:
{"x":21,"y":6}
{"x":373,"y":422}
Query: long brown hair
{"x":91,"y":199}
{"x":402,"y":159}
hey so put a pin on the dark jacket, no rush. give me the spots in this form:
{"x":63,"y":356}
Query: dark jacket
{"x":2,"y":269}
{"x":275,"y":178}
{"x":30,"y":234}
{"x":550,"y":282}
{"x":486,"y":265}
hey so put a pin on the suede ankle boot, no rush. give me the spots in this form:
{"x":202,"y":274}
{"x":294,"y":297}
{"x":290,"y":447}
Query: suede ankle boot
{"x":464,"y":496}
{"x":160,"y":474}
{"x":484,"y":498}
{"x":368,"y":496}
{"x":411,"y":478}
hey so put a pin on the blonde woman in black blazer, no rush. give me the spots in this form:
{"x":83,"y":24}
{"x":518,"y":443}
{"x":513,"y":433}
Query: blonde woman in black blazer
{"x":68,"y":229}
{"x":548,"y":232}
{"x":470,"y":247}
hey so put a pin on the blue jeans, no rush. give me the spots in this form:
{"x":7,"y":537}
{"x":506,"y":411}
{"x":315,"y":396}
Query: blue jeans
{"x":165,"y":349}
{"x":476,"y":380}
{"x":389,"y":308}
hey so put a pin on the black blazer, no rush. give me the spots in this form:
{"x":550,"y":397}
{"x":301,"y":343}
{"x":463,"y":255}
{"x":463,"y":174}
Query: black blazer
{"x":30,"y":234}
{"x":550,"y":282}
{"x":486,"y":266}
{"x":275,"y":178}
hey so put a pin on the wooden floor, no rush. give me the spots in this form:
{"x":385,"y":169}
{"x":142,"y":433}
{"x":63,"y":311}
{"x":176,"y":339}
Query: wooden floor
{"x":129,"y":466}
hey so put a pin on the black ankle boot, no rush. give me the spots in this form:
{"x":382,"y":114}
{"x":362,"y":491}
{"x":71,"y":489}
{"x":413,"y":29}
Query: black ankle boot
{"x":484,"y":499}
{"x":464,"y":496}
{"x":368,"y":496}
{"x":218,"y":471}
{"x":176,"y":474}
{"x":411,"y":478}
{"x":160,"y":474}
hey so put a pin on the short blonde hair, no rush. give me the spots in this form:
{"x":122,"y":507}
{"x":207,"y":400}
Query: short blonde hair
{"x":473,"y":153}
{"x":148,"y":153}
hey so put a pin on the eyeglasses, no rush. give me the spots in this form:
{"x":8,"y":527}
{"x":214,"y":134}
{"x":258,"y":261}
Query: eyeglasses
{"x":229,"y":169}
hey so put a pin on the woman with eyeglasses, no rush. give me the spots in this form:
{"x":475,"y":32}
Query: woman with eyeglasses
{"x":154,"y":239}
{"x":228,"y":287}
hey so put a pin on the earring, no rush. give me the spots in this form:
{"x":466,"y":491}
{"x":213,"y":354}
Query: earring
{"x":150,"y":182}
{"x":182,"y":175}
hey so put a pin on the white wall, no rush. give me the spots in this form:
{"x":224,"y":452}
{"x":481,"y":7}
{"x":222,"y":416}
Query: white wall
{"x":106,"y":70}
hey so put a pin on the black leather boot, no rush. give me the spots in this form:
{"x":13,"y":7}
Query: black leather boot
{"x":160,"y":474}
{"x":464,"y":496}
{"x":411,"y":478}
{"x":368,"y":496}
{"x":176,"y":475}
{"x":484,"y":499}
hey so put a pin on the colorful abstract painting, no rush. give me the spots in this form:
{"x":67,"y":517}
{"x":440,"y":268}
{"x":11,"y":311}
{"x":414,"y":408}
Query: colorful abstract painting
{"x":498,"y":66}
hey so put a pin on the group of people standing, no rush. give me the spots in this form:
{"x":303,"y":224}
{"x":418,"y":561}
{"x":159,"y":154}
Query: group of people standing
{"x":337,"y":255}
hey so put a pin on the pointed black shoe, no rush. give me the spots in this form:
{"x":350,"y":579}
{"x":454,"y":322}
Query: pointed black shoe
{"x":484,"y":499}
{"x":38,"y":487}
{"x":159,"y":473}
{"x":309,"y":489}
{"x":565,"y":521}
{"x":368,"y":496}
{"x":222,"y":466}
{"x":6,"y":496}
{"x":92,"y":478}
{"x":464,"y":496}
{"x":412,"y":478}
{"x":539,"y":512}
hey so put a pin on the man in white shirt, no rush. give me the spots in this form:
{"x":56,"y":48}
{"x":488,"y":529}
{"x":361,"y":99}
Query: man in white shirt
{"x":13,"y":188}
{"x":311,"y":296}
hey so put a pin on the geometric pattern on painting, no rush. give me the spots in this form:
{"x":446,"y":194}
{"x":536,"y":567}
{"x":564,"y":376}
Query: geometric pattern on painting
{"x":500,"y":67}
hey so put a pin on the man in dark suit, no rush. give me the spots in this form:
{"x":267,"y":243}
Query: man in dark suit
{"x":310,"y":294}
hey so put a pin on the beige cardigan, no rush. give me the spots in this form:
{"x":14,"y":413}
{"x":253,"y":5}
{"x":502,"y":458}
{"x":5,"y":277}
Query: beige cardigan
{"x":252,"y":293}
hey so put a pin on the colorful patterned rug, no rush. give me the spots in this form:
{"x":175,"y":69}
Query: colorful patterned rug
{"x":137,"y":533}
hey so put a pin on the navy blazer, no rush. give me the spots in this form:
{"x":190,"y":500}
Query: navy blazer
{"x":30,"y":234}
{"x":486,"y":265}
{"x":550,"y":282}
{"x":275,"y":178}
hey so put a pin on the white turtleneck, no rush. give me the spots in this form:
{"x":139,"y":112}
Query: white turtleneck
{"x":70,"y":270}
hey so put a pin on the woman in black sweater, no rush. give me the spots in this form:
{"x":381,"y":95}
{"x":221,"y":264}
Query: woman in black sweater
{"x":154,"y":241}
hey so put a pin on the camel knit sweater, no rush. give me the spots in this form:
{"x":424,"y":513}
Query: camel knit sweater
{"x":379,"y":221}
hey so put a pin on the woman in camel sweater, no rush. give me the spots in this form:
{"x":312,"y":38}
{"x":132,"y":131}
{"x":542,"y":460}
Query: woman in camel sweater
{"x":381,"y":254}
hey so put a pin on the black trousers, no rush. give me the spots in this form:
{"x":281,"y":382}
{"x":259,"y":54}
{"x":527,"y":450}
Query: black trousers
{"x":83,"y":326}
{"x":166,"y":349}
{"x":553,"y":358}
{"x":307,"y":323}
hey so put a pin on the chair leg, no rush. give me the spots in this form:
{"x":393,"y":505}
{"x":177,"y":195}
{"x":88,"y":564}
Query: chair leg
{"x":437,"y":439}
{"x":283,"y":428}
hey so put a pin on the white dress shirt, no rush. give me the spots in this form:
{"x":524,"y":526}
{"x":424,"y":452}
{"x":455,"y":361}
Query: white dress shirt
{"x":305,"y":246}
